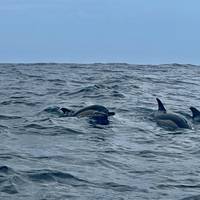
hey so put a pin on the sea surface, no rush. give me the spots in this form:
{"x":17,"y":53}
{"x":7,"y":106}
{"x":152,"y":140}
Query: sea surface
{"x":46,"y":156}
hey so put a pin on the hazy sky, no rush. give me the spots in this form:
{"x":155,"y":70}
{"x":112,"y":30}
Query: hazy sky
{"x":85,"y":31}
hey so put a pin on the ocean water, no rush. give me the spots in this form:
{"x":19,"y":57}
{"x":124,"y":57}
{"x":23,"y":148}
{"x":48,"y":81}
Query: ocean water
{"x":45,"y":156}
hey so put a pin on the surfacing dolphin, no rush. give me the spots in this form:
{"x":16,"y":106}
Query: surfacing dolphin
{"x":169,"y":120}
{"x":195,"y":114}
{"x":96,"y":113}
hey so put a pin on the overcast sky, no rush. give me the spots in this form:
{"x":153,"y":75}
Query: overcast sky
{"x":86,"y":31}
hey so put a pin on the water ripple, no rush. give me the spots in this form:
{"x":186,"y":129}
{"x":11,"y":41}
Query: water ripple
{"x":45,"y":155}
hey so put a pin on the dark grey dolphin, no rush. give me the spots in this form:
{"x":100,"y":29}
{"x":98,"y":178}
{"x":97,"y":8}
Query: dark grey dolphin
{"x":169,"y":120}
{"x":195,"y":114}
{"x":98,"y":114}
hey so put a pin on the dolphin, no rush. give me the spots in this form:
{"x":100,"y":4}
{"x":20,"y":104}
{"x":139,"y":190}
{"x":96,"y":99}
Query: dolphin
{"x":96,"y":113}
{"x":195,"y":114}
{"x":169,"y":120}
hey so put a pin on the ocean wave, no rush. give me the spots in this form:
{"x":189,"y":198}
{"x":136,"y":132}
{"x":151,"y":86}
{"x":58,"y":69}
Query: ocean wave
{"x":47,"y":175}
{"x":45,"y":155}
{"x":9,"y":117}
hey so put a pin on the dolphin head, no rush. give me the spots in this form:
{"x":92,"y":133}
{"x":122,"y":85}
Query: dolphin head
{"x":111,"y":113}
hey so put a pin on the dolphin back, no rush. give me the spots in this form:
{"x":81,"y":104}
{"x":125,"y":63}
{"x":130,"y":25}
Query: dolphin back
{"x":97,"y":114}
{"x":91,"y":109}
{"x":180,"y":121}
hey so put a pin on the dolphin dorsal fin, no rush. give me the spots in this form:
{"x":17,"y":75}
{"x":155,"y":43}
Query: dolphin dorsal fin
{"x":195,"y":112}
{"x":160,"y":105}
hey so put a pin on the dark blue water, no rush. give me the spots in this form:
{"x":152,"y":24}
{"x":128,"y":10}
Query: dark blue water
{"x":46,"y":156}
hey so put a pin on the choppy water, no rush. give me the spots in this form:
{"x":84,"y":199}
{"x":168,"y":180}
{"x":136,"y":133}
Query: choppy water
{"x":45,"y":156}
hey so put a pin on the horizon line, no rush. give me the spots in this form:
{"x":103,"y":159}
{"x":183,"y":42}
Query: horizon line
{"x":92,"y":63}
